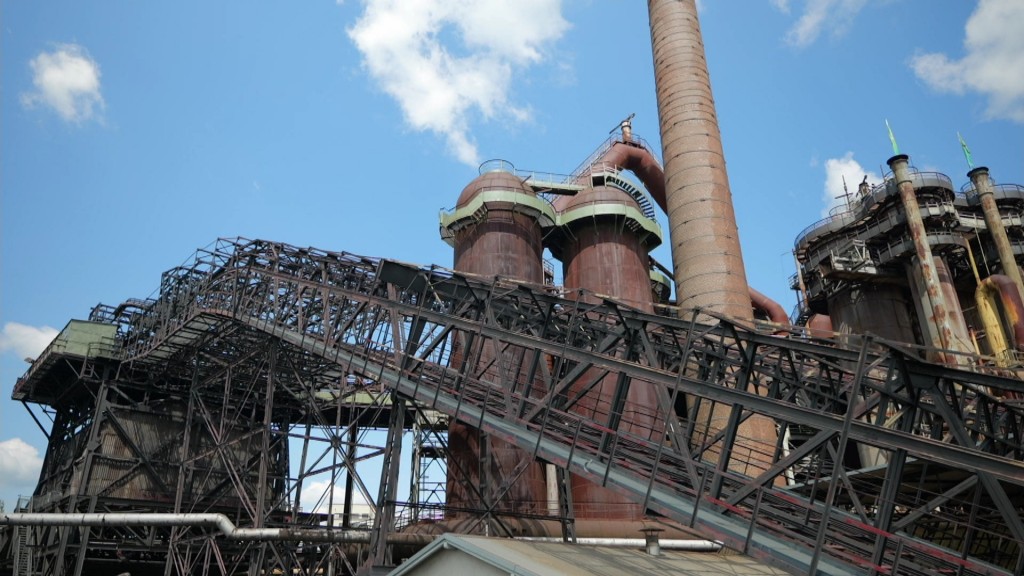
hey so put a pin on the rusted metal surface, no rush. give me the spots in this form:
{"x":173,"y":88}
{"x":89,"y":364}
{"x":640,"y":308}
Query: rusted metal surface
{"x":603,"y":255}
{"x":708,"y":263}
{"x":486,"y":473}
{"x":819,"y":326}
{"x":994,"y":222}
{"x":706,"y":255}
{"x":938,"y":311}
{"x":1000,"y":290}
{"x":879,"y":309}
{"x":642,"y":163}
{"x":770,"y":308}
{"x":957,"y":322}
{"x":504,"y":242}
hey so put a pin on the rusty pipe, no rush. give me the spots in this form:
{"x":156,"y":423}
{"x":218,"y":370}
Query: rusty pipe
{"x":939,"y":309}
{"x":1002,"y":290}
{"x":820,"y":326}
{"x":775,"y":312}
{"x":642,"y":164}
{"x":994,"y":223}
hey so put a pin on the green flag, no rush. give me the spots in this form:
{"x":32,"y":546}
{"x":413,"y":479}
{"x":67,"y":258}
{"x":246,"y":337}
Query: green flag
{"x":967,"y":151}
{"x":892,"y":138}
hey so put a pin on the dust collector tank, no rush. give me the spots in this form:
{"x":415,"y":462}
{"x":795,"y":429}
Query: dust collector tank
{"x":496,"y":230}
{"x":603,"y":240}
{"x":496,"y":225}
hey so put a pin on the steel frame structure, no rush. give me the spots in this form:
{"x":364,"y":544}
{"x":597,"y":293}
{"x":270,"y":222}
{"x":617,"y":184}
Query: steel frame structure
{"x":258,"y":338}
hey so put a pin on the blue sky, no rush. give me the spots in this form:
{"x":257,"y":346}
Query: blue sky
{"x":134,"y":133}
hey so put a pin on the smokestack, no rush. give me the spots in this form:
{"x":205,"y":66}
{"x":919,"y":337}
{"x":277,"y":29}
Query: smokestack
{"x":939,"y":319}
{"x":706,"y":256}
{"x":994,"y":222}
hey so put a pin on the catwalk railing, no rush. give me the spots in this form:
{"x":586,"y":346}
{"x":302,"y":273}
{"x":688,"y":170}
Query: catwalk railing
{"x":882,"y":463}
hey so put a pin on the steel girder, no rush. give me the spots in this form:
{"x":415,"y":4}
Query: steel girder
{"x":884,"y":463}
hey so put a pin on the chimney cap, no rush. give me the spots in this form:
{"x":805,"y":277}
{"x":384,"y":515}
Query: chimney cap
{"x":897,"y":158}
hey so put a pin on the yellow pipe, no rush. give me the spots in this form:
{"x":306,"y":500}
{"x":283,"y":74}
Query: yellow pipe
{"x":987,"y":298}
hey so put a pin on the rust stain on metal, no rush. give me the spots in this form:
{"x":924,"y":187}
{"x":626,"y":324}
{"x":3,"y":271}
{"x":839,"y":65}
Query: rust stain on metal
{"x":994,"y":222}
{"x":939,"y":310}
{"x":605,"y":256}
{"x":503,"y":242}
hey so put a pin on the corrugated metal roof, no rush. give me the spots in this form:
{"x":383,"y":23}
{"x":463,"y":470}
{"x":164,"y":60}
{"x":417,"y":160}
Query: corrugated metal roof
{"x":521,"y":558}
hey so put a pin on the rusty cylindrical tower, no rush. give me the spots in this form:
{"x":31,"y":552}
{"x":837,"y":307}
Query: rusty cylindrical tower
{"x":708,"y":264}
{"x":603,"y":239}
{"x":496,"y":229}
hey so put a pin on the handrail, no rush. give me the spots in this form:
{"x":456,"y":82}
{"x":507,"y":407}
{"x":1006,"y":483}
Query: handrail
{"x":878,"y":193}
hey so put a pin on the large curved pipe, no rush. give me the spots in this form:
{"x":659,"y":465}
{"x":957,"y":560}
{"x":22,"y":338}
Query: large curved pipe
{"x":775,"y":312}
{"x":1002,"y":289}
{"x":639,"y":160}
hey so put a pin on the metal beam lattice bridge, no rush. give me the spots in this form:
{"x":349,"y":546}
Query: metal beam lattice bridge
{"x":884,"y":464}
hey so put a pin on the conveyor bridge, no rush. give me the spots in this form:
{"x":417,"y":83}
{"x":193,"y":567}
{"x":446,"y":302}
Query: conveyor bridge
{"x":884,"y":464}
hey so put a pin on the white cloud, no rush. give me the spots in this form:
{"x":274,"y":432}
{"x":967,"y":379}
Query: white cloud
{"x":410,"y":49}
{"x":68,"y":81}
{"x":20,"y":463}
{"x":836,"y":16}
{"x":993,"y":64}
{"x":314,"y":496}
{"x":836,"y":169}
{"x":25,"y":341}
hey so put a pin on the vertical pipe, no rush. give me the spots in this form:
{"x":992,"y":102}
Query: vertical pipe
{"x":961,"y":335}
{"x":938,"y":307}
{"x":994,"y":223}
{"x":709,"y":270}
{"x":550,"y":476}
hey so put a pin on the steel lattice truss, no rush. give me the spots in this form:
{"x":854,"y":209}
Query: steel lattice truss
{"x":255,"y":332}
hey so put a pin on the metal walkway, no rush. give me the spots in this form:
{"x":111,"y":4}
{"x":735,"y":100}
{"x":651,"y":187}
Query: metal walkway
{"x":884,"y":464}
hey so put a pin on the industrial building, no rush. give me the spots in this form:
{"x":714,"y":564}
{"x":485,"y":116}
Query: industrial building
{"x":917,"y":260}
{"x":536,"y":419}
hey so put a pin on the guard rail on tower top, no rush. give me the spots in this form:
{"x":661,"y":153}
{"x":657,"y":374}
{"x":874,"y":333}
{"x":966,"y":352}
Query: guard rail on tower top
{"x":810,"y":510}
